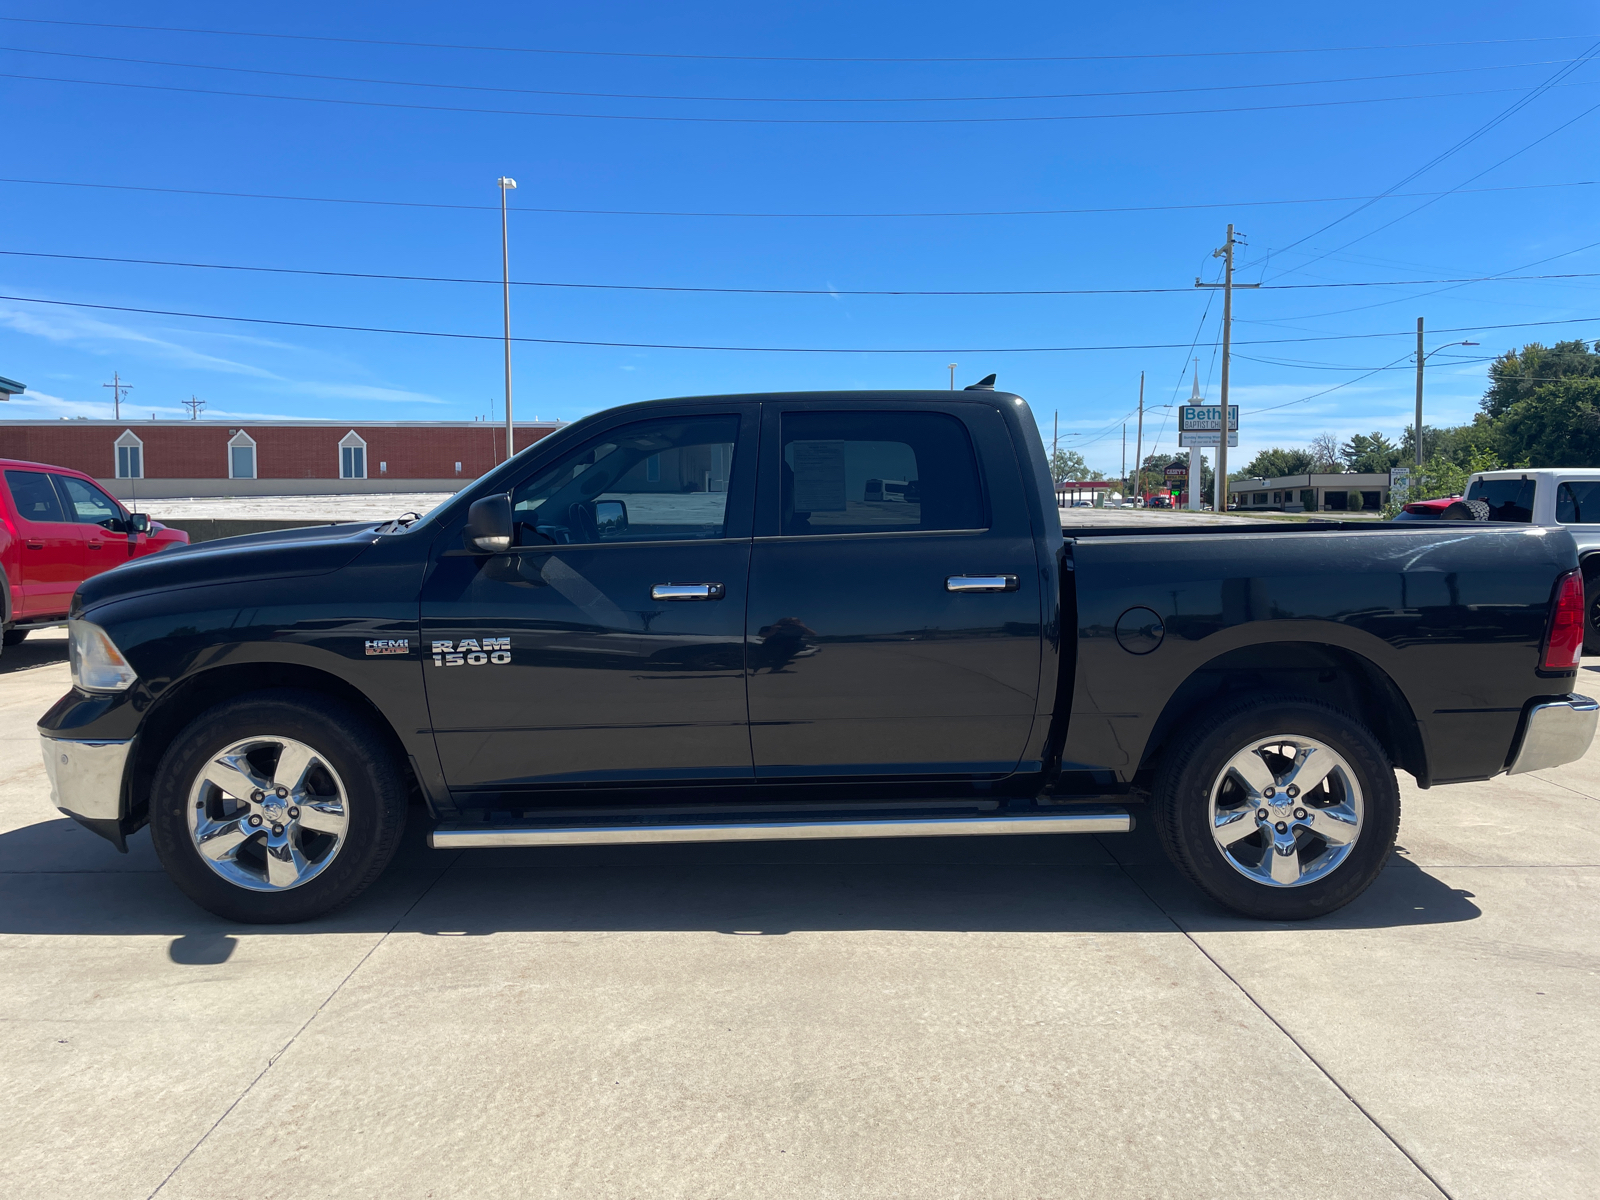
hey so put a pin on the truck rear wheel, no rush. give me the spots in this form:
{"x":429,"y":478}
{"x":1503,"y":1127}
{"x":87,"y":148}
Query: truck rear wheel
{"x":277,"y":807}
{"x":1281,"y":808}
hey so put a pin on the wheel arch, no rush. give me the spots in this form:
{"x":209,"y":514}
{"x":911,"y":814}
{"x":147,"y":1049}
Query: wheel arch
{"x":180,"y":704}
{"x":1335,"y":675}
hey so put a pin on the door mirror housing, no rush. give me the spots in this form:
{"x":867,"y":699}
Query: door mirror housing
{"x":610,"y":518}
{"x":488,"y":528}
{"x":137,"y":523}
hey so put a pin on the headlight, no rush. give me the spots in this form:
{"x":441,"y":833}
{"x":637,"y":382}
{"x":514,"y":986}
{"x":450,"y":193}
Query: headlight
{"x":97,"y":664}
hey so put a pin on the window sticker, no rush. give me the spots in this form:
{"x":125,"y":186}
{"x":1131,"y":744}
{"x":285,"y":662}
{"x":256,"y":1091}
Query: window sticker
{"x":818,"y":476}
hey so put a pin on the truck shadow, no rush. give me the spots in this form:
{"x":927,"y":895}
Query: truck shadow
{"x":36,"y":651}
{"x":56,"y":878}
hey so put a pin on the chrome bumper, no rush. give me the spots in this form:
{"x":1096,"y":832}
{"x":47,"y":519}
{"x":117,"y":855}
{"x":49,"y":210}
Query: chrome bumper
{"x":1556,"y":732}
{"x":86,"y":776}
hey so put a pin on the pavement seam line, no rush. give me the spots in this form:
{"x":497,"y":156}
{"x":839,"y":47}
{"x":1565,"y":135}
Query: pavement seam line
{"x":1294,"y":1041}
{"x":284,"y":1049}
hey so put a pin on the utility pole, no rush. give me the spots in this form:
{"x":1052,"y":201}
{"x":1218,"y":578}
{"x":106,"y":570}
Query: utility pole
{"x":952,"y":377}
{"x":1124,"y":454}
{"x":1138,"y":445}
{"x":118,"y":387}
{"x":194,"y":406}
{"x":1055,"y":437}
{"x":1225,"y":252}
{"x":505,"y":272}
{"x":1416,"y":429}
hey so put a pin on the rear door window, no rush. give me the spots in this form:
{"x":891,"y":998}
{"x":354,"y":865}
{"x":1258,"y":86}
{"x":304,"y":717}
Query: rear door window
{"x":1578,"y":502}
{"x":1508,"y":499}
{"x":35,"y":499}
{"x":891,"y":472}
{"x":85,"y":503}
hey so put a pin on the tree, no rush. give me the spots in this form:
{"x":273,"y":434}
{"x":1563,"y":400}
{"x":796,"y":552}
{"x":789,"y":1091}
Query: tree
{"x":1324,"y":451}
{"x":1370,"y":452}
{"x":1069,"y":465}
{"x":1517,"y":375}
{"x":1275,"y":464}
{"x":1556,"y":424}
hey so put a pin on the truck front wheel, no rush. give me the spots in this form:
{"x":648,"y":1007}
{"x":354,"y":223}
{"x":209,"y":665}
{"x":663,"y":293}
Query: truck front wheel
{"x":277,"y":807}
{"x":1281,"y":808}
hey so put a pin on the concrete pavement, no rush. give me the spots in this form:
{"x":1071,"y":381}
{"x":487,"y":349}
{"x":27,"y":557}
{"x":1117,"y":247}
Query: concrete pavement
{"x":990,"y":1017}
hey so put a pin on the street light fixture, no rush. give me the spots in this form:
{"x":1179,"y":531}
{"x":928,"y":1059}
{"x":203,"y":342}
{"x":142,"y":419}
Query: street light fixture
{"x":1422,"y":358}
{"x":505,"y":270}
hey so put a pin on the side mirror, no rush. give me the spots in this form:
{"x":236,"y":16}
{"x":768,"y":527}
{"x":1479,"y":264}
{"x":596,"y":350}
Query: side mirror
{"x":138,"y":523}
{"x":610,"y":518}
{"x":488,"y":528}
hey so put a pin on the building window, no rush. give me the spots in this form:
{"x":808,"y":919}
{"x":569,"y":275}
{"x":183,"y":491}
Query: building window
{"x":352,"y":456}
{"x":130,"y":456}
{"x":241,"y":456}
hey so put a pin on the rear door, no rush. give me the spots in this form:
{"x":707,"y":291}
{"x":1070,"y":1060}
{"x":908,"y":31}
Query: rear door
{"x":894,"y":626}
{"x":607,"y":646}
{"x":99,"y":519}
{"x":51,"y":557}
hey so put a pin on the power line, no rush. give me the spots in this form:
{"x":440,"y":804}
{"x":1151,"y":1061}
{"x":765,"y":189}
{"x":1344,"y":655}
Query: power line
{"x":476,"y":87}
{"x":616,"y":212}
{"x":1334,"y":388}
{"x":480,"y":337}
{"x":770,"y":291}
{"x":1505,"y":114}
{"x":305,"y":37}
{"x":668,"y":119}
{"x":1435,"y":200}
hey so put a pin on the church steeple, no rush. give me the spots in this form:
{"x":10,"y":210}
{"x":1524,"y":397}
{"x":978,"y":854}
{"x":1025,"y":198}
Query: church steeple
{"x":1194,"y":396}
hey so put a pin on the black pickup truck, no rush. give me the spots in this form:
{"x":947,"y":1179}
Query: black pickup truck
{"x":833,"y":615}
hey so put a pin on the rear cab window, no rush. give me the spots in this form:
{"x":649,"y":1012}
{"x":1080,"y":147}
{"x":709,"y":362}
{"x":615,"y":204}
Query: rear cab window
{"x":34,"y":497}
{"x":1508,"y":499}
{"x":889,"y":472}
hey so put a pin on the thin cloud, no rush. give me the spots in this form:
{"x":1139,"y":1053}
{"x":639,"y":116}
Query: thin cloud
{"x":102,"y":336}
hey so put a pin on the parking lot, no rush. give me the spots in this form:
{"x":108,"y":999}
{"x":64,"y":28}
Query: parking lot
{"x":986,"y":1017}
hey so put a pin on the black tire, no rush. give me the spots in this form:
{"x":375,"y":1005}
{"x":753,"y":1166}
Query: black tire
{"x":374,"y":803}
{"x":14,"y":636}
{"x":1591,"y":605}
{"x":1466,"y":510}
{"x":1182,"y":812}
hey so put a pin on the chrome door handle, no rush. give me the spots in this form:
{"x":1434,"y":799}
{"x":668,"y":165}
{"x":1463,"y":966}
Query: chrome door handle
{"x":981,"y":583}
{"x":686,"y":591}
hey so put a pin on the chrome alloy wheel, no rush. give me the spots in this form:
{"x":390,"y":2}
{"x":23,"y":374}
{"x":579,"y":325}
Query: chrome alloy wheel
{"x":268,"y":813}
{"x":1286,"y":810}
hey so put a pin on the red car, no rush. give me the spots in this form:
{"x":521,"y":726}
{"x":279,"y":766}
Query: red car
{"x":1426,"y":510}
{"x":59,"y":529}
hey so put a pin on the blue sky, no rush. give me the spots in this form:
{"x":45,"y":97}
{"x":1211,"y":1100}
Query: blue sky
{"x":1310,"y":119}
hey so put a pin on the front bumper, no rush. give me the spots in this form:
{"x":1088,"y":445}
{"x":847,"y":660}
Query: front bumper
{"x":87,"y":780}
{"x":1555,"y":732}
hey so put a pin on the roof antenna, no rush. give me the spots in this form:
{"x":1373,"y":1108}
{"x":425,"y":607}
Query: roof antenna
{"x":986,"y":384}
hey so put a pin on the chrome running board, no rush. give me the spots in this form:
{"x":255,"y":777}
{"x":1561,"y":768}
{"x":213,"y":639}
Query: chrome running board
{"x":1087,"y":819}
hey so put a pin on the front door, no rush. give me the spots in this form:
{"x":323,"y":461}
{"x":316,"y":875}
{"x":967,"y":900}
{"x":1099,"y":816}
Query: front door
{"x":606,"y":647}
{"x":894,"y":626}
{"x":99,"y":518}
{"x":51,"y":555}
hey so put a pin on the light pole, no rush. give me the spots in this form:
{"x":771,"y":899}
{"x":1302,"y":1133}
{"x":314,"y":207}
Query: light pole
{"x":505,"y":272}
{"x":1416,"y":429}
{"x":952,"y":377}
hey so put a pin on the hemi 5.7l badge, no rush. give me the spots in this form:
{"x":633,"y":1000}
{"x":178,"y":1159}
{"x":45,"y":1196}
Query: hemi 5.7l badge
{"x":472,"y":652}
{"x":389,"y":646}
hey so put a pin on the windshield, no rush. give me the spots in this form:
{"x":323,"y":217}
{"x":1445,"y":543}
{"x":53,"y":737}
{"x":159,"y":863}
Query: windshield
{"x":1508,"y":499}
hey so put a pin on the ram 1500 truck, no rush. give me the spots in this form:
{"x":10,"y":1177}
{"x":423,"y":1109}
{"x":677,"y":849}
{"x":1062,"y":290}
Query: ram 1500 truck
{"x":833,"y":615}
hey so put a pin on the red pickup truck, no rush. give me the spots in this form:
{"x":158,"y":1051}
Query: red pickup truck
{"x":60,"y":528}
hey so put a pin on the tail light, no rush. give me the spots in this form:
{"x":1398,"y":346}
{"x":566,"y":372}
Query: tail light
{"x":1563,"y":641}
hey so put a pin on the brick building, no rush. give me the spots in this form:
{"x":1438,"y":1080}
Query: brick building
{"x":259,"y":458}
